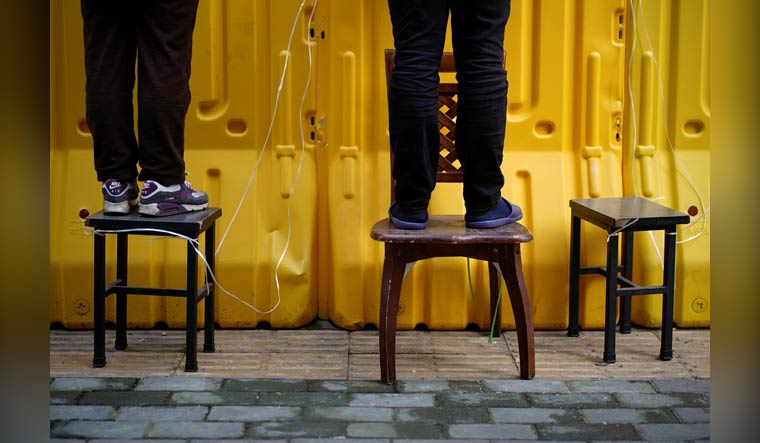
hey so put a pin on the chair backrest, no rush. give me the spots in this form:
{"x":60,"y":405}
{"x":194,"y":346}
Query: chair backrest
{"x":449,"y":168}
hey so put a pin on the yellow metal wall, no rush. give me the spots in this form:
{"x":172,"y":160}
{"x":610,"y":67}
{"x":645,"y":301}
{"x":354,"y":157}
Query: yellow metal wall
{"x":567,"y":65}
{"x":669,"y":80}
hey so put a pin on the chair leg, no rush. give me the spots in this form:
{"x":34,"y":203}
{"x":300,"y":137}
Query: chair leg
{"x":494,"y":284}
{"x":573,"y":329}
{"x":99,"y":302}
{"x":393,"y":275}
{"x":510,"y":262}
{"x":666,"y":343}
{"x":121,"y":297}
{"x":610,"y":304}
{"x":191,"y":326}
{"x":625,"y":301}
{"x":208,"y":327}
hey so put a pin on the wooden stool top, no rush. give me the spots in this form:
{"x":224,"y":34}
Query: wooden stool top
{"x":616,"y":212}
{"x":450,"y":229}
{"x":191,"y":224}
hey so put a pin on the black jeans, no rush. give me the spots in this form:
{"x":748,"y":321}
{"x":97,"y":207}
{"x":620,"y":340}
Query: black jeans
{"x":419,"y":30}
{"x":158,"y":33}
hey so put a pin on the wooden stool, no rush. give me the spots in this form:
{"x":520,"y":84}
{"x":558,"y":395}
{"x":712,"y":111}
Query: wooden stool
{"x":624,"y":215}
{"x":190,"y":225}
{"x":447,"y":236}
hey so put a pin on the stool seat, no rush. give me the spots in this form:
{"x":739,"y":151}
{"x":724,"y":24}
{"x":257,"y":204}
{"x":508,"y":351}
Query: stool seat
{"x":613,"y":213}
{"x":189,"y":225}
{"x":623,"y":215}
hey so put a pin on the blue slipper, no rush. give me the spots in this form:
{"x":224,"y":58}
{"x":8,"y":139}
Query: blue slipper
{"x":405,"y":220}
{"x":504,"y":212}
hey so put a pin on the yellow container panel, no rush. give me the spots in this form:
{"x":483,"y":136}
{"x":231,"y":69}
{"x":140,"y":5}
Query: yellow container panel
{"x":239,"y":48}
{"x":563,"y":141}
{"x":669,"y":80}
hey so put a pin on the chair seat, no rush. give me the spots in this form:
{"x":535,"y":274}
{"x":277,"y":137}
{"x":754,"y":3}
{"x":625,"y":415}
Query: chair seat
{"x":450,"y":229}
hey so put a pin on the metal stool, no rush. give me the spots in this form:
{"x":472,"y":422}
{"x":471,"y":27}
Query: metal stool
{"x":190,"y":225}
{"x":624,"y":215}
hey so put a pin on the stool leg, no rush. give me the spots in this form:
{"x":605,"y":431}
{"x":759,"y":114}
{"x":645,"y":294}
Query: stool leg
{"x":510,"y":262}
{"x":573,"y":329}
{"x":191,"y":359}
{"x":494,"y":283}
{"x":99,"y":301}
{"x":393,"y":276}
{"x":610,"y":303}
{"x":666,"y":344}
{"x":625,"y":301}
{"x":208,"y":336}
{"x":121,"y":296}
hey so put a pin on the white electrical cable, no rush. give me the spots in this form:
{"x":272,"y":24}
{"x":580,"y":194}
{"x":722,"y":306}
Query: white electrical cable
{"x":661,"y":93}
{"x":194,"y":242}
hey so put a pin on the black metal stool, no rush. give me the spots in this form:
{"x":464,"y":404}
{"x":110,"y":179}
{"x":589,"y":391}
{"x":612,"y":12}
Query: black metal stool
{"x":190,"y":225}
{"x":624,"y":215}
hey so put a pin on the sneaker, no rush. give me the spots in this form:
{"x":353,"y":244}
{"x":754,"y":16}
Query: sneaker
{"x":118,"y":197}
{"x":406,"y":220}
{"x":504,"y":212}
{"x":158,"y":200}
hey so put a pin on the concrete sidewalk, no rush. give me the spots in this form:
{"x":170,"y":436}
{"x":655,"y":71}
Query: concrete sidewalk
{"x":308,"y":385}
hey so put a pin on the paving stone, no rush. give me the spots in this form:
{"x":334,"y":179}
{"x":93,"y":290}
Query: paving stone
{"x":392,"y":400}
{"x":237,"y":440}
{"x":342,"y":440}
{"x":253,"y":413}
{"x":64,"y":397}
{"x":196,"y":398}
{"x":586,"y":432}
{"x":470,"y":431}
{"x":323,"y":429}
{"x":633,"y":416}
{"x":692,"y":415}
{"x":486,"y":399}
{"x":393,"y":430}
{"x":180,"y":429}
{"x":348,"y":414}
{"x":349,"y":386}
{"x":99,"y":429}
{"x":581,"y":400}
{"x":264,"y":385}
{"x":183,"y":384}
{"x":438,"y":440}
{"x":302,"y":399}
{"x":162,"y":413}
{"x":682,"y":385}
{"x":611,"y":386}
{"x":92,"y":384}
{"x":443,"y":415}
{"x":124,"y":398}
{"x":674,"y":432}
{"x":534,"y":415}
{"x":423,"y":386}
{"x":636,"y":400}
{"x":142,"y":440}
{"x":77,"y":412}
{"x":538,"y":386}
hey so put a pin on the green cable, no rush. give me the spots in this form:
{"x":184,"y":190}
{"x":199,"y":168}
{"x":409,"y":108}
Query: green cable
{"x":498,"y":300}
{"x":469,"y":278}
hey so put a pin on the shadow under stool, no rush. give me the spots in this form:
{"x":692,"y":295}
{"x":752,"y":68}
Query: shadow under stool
{"x":624,"y":215}
{"x":190,"y":225}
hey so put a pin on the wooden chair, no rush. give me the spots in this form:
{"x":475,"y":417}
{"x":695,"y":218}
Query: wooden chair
{"x":447,"y":236}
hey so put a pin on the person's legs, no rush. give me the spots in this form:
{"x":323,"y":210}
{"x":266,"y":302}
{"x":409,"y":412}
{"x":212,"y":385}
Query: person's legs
{"x":478,"y":40}
{"x":110,"y":46}
{"x":164,"y":35}
{"x":419,"y":30}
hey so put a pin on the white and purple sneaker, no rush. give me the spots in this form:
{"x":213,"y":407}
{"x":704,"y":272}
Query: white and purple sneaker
{"x":118,"y":197}
{"x":158,"y":200}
